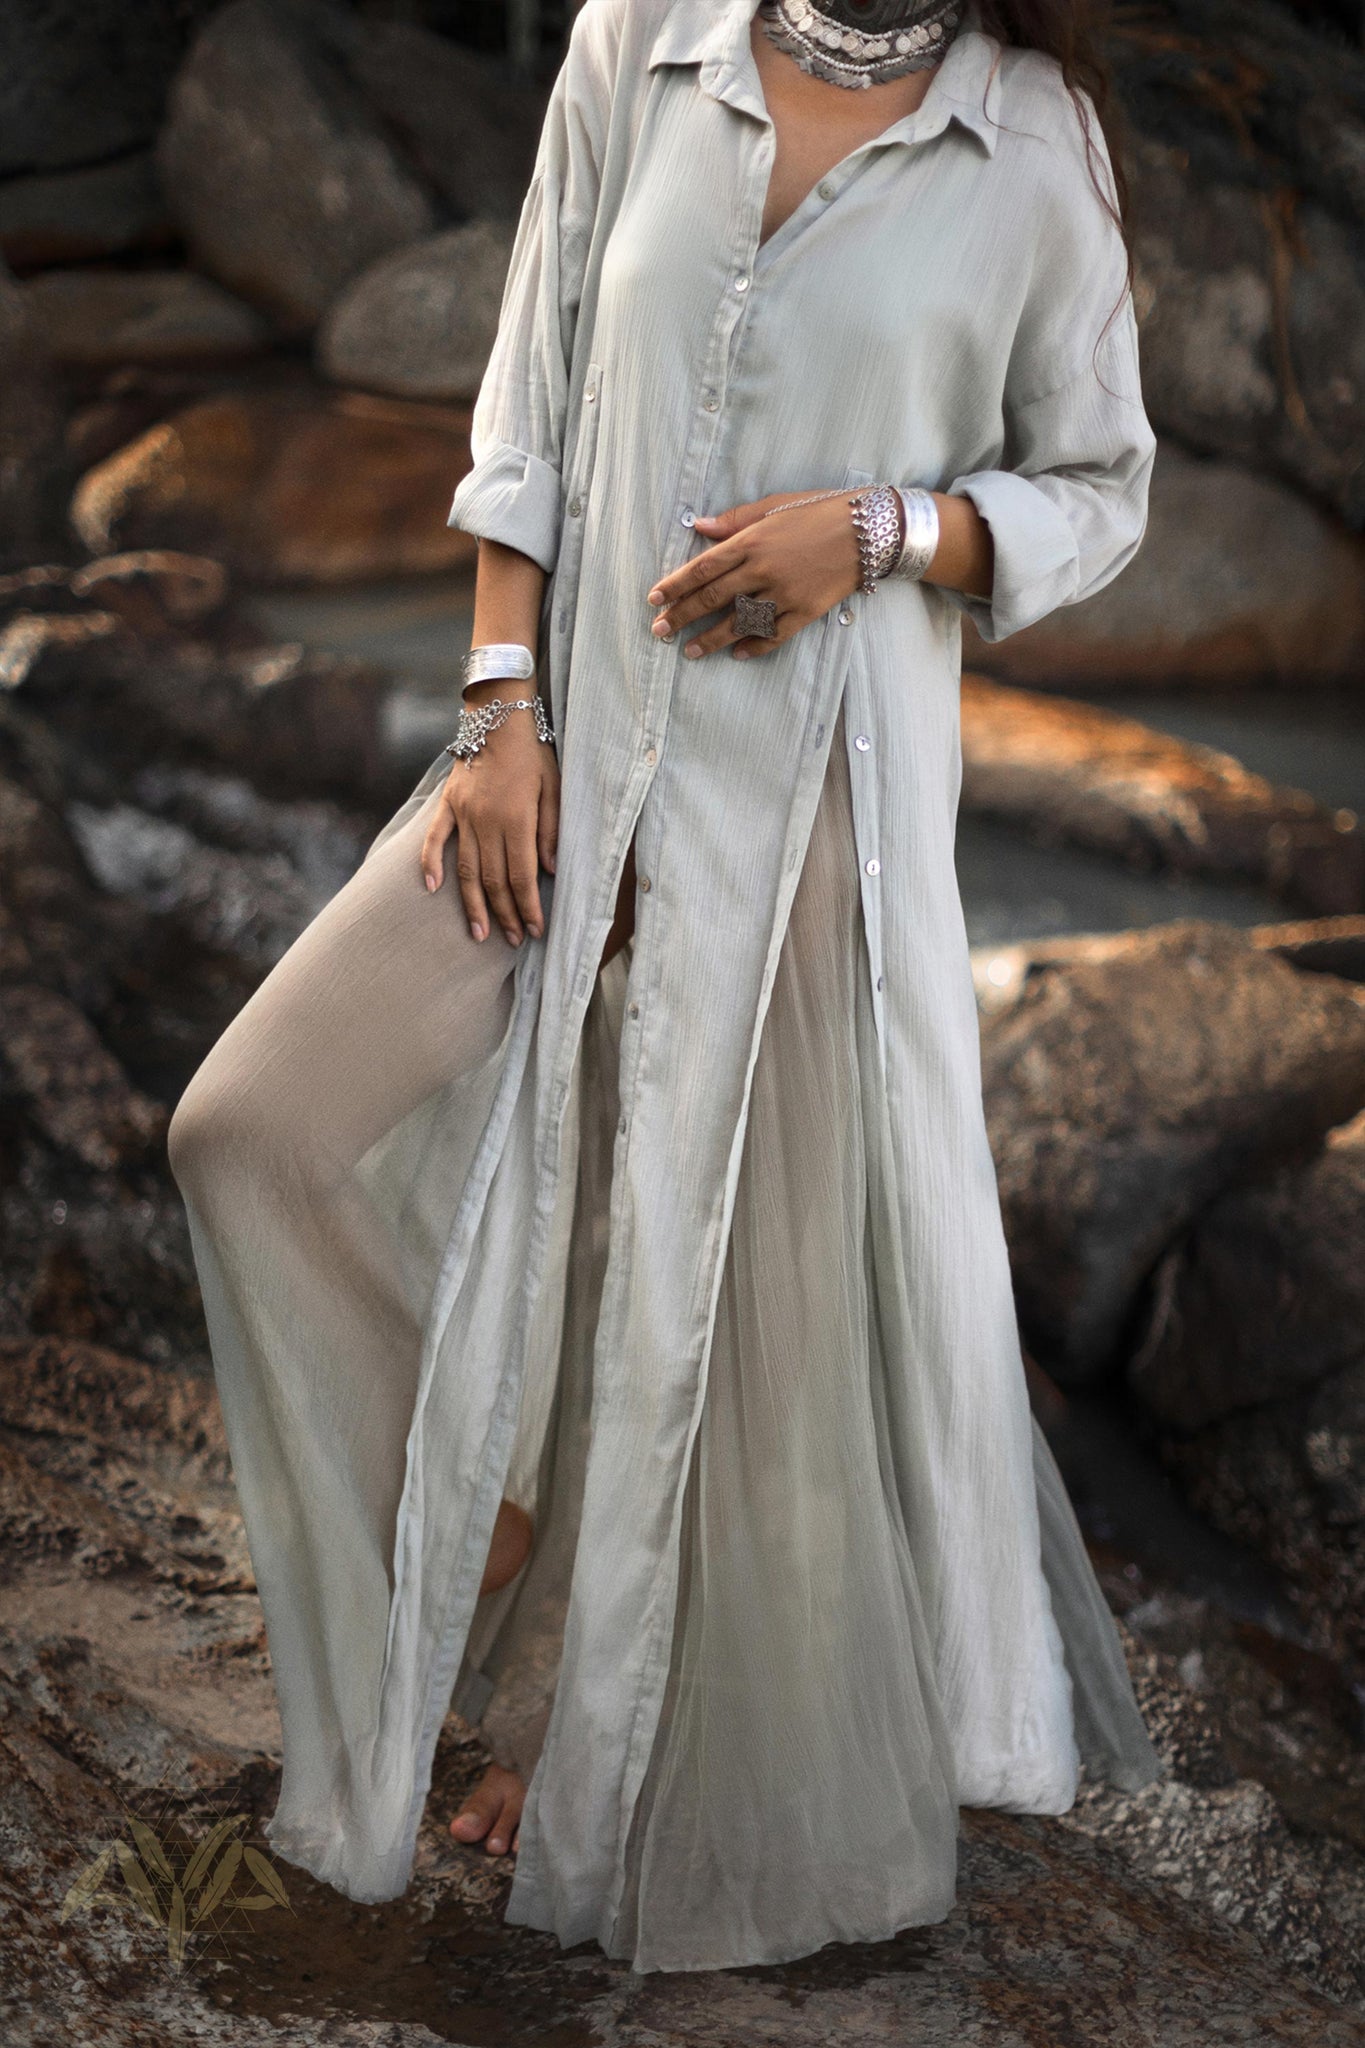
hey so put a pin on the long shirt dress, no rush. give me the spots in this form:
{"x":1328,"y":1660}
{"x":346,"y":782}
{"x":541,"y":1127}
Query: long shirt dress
{"x":698,"y":1257}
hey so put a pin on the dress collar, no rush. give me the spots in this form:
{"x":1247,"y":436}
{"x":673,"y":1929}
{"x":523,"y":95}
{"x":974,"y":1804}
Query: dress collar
{"x":965,"y":88}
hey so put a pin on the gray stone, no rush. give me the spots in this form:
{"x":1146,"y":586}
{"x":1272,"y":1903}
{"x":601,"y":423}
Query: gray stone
{"x":1128,"y":1080}
{"x":32,"y":463}
{"x":98,"y":319}
{"x":281,"y":177}
{"x":421,"y":323}
{"x":1239,"y":579}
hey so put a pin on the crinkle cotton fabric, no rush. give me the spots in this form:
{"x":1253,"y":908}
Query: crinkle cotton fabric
{"x":698,"y":1257}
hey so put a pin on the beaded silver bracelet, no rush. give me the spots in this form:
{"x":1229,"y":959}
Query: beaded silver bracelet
{"x":500,"y":661}
{"x":474,"y":726}
{"x":921,"y":533}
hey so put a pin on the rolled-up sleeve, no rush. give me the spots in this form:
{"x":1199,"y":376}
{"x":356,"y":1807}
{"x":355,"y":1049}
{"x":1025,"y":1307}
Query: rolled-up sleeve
{"x":512,"y":492}
{"x":1067,"y":505}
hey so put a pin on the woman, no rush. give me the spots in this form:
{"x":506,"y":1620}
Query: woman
{"x":594,"y":1207}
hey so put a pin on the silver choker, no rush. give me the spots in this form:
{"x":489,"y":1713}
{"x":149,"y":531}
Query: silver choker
{"x":862,"y":42}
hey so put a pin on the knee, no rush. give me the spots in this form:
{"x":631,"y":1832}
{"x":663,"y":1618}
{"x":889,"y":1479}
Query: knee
{"x":209,"y":1127}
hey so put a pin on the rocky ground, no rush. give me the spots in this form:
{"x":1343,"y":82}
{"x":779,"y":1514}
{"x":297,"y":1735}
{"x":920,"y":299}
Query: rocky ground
{"x":252,"y":286}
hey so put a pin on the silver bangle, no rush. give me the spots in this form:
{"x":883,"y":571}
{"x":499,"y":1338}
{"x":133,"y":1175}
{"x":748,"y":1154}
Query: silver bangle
{"x":473,"y":727}
{"x":876,"y":523}
{"x":921,"y":533}
{"x":503,"y":661}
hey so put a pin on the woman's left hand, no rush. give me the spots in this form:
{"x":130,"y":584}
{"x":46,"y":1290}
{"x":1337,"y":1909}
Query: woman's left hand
{"x":805,"y":560}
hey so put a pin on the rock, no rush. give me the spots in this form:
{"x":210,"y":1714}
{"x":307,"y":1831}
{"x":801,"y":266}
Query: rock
{"x":1128,"y":1079}
{"x":32,"y":463}
{"x":88,"y":1392}
{"x":288,"y":488}
{"x":83,"y":81}
{"x":1265,"y":1296}
{"x":472,"y":129}
{"x":1239,"y":579}
{"x":1323,"y":945}
{"x":281,"y":178}
{"x":151,"y":588}
{"x":76,"y":216}
{"x":1285,"y":1478}
{"x":97,"y":319}
{"x":1078,"y":775}
{"x":75,"y":1090}
{"x":421,"y":323}
{"x":1248,"y":172}
{"x":28,"y":638}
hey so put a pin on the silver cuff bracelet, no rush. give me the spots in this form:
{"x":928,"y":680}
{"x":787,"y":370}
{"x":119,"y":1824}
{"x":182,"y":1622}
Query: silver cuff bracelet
{"x":504,"y":661}
{"x":921,"y":533}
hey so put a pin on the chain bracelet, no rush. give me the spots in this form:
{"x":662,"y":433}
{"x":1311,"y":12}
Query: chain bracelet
{"x":843,"y":491}
{"x":474,"y":726}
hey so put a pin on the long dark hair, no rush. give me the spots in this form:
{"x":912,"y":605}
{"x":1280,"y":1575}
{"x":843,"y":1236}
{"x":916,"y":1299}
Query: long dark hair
{"x":1069,"y":30}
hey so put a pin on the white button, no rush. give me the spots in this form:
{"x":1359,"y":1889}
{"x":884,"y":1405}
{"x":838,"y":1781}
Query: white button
{"x":621,"y":1127}
{"x":645,"y":883}
{"x":687,"y":516}
{"x":862,"y":743}
{"x":874,"y":867}
{"x":575,"y":507}
{"x":741,"y":284}
{"x":635,"y":1009}
{"x":651,"y":755}
{"x":591,"y":393}
{"x":845,"y":616}
{"x":710,"y":402}
{"x":825,"y":189}
{"x":879,"y":983}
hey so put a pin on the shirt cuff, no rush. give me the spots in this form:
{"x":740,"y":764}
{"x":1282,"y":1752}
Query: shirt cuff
{"x":1037,"y":564}
{"x":513,"y":497}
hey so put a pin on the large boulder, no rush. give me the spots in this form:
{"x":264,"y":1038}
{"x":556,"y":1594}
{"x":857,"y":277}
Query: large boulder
{"x":281,"y":176}
{"x":1248,"y":203}
{"x":99,"y":319}
{"x":288,"y":487}
{"x":1076,"y":774}
{"x":1128,"y":1080}
{"x":1265,"y":1296}
{"x":472,"y":130}
{"x":1239,"y":579}
{"x":421,"y":323}
{"x":81,"y":81}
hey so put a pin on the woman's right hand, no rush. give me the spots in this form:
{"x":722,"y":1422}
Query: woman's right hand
{"x":503,"y":807}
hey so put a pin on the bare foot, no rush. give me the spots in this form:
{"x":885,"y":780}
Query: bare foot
{"x":513,"y":1532}
{"x":493,"y":1810}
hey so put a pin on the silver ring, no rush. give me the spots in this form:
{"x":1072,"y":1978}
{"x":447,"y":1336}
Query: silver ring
{"x":755,"y":617}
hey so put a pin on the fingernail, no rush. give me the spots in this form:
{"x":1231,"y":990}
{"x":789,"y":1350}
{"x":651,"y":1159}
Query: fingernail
{"x":476,"y":931}
{"x":655,"y":597}
{"x":497,"y":1844}
{"x":662,"y":630}
{"x":740,"y":653}
{"x":550,"y":862}
{"x":514,"y":938}
{"x":691,"y":650}
{"x":705,"y":519}
{"x":431,"y":881}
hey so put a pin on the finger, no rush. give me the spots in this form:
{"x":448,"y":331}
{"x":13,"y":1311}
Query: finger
{"x":493,"y":858}
{"x":788,"y":624}
{"x":547,"y":824}
{"x":523,"y":870}
{"x":469,"y":876}
{"x":711,"y":562}
{"x":434,"y":844}
{"x":722,"y":525}
{"x":722,"y":591}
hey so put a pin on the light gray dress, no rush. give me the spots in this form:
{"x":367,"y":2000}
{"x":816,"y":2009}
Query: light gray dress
{"x":700,"y":1258}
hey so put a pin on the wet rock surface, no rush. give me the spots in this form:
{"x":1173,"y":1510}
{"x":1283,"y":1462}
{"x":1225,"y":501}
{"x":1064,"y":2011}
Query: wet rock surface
{"x":1128,"y":1079}
{"x":1074,"y":774}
